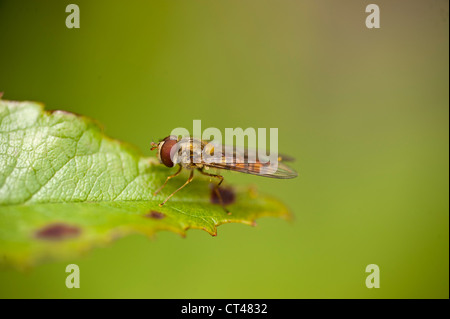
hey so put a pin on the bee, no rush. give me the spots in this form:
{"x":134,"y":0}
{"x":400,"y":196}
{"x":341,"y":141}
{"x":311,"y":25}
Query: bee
{"x":187,"y":153}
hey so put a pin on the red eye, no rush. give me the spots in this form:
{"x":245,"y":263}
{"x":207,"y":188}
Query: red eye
{"x":165,"y":152}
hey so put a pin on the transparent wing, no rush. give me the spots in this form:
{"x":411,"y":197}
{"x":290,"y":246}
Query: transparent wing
{"x":249,"y":161}
{"x":282,"y":171}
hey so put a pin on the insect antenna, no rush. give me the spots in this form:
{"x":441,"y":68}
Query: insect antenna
{"x":154,"y":146}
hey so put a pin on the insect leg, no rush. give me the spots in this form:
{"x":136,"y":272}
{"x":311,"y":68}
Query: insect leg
{"x":167,"y":179}
{"x":216,"y":188}
{"x":187,"y":182}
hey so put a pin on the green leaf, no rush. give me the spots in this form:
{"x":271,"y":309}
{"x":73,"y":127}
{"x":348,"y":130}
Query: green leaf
{"x":65,"y":187}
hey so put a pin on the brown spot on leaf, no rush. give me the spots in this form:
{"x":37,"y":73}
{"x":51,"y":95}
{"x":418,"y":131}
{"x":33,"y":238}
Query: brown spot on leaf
{"x":227,"y":194}
{"x":58,"y":231}
{"x":155,"y":215}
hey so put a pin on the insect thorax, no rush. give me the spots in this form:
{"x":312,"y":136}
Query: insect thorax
{"x":189,"y":154}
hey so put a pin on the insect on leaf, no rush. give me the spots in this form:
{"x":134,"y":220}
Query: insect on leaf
{"x":65,"y":187}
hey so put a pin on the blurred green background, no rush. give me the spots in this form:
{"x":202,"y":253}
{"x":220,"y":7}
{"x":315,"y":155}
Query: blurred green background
{"x":365,"y":112}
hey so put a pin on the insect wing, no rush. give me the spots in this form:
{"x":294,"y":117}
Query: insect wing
{"x":248,"y":161}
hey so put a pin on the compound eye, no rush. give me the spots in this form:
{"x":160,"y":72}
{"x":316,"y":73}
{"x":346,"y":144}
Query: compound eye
{"x":165,"y":152}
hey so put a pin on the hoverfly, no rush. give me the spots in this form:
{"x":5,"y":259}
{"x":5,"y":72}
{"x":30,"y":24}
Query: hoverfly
{"x":170,"y":153}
